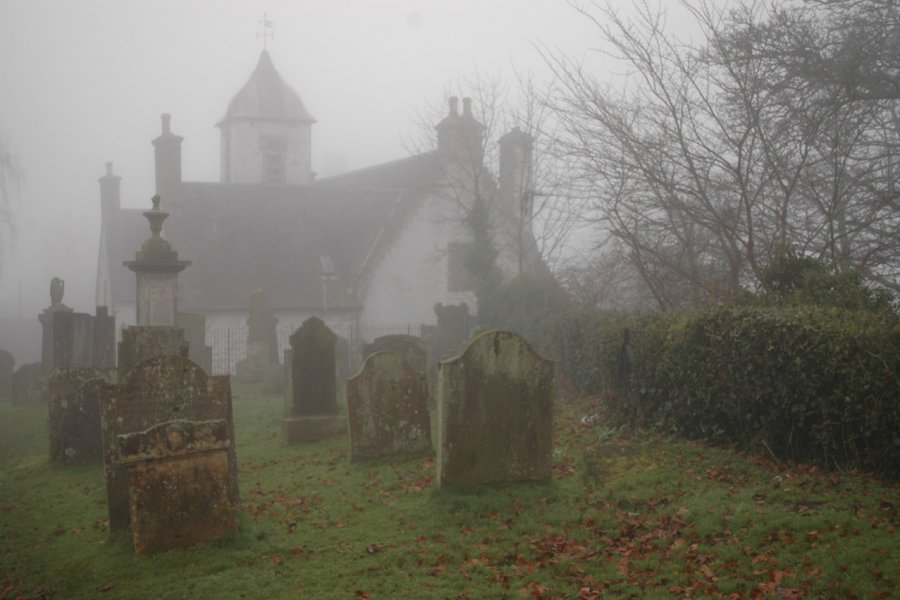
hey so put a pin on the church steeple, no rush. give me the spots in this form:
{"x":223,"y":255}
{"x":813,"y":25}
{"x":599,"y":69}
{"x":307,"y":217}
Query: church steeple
{"x":266,"y":131}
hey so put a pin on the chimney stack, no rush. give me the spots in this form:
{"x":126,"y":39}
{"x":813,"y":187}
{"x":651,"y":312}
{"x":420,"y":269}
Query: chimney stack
{"x":454,"y":106}
{"x":168,"y":159}
{"x":467,"y":108}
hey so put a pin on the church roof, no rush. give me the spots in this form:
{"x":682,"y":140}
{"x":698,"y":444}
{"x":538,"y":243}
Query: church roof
{"x":242,"y":237}
{"x":266,"y":97}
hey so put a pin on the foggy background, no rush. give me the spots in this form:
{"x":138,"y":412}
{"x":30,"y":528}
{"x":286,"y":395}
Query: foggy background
{"x":85,"y":82}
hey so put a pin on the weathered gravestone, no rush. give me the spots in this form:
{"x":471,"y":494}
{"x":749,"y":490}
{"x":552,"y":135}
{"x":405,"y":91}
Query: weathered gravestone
{"x":180,"y":482}
{"x":155,"y":391}
{"x":7,"y":366}
{"x":26,"y":381}
{"x":75,"y":415}
{"x":85,"y":341}
{"x":387,"y":402}
{"x":140,"y":343}
{"x":311,"y":396}
{"x":495,"y":413}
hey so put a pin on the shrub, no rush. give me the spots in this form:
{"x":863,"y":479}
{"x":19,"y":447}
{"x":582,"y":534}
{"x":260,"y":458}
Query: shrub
{"x":804,"y":383}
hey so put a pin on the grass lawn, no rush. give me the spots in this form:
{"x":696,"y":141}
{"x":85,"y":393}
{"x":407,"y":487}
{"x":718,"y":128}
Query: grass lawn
{"x":625,"y":516}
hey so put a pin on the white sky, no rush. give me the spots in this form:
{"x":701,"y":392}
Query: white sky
{"x":84,"y":82}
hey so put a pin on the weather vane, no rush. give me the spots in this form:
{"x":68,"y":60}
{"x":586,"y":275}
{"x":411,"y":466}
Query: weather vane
{"x":267,"y":33}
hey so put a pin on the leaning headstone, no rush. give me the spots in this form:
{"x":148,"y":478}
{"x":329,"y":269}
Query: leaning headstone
{"x":75,"y":415}
{"x":57,"y":289}
{"x":387,"y":403}
{"x":312,"y":411}
{"x":7,"y":366}
{"x":179,"y":483}
{"x":155,"y":391}
{"x":26,"y":381}
{"x":140,"y":343}
{"x":495,"y":409}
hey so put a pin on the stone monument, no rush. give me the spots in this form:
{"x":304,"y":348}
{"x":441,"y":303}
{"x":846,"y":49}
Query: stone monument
{"x":262,"y":344}
{"x":156,"y":266}
{"x":57,"y":289}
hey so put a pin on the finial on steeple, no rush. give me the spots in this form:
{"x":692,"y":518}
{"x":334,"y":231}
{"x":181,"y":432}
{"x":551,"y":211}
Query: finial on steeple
{"x":267,"y":33}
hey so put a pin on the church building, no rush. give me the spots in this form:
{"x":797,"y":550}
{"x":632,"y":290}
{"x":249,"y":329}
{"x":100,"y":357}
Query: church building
{"x":371,"y":250}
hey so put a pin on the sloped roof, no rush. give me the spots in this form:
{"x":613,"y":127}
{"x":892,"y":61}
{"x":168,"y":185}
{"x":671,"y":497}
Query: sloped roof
{"x":266,"y":97}
{"x":241,"y":237}
{"x":413,"y":173}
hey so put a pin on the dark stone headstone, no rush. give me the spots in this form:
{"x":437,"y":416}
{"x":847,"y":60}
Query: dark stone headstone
{"x":7,"y":366}
{"x":313,"y":410}
{"x":495,"y":404}
{"x":387,"y":404}
{"x":74,"y":412}
{"x":143,"y":342}
{"x":154,"y":391}
{"x":180,"y":484}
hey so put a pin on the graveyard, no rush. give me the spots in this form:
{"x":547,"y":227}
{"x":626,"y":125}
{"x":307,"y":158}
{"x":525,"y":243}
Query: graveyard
{"x":622,"y":515}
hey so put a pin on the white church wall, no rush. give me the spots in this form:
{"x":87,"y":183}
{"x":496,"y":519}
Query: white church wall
{"x":412,"y":276}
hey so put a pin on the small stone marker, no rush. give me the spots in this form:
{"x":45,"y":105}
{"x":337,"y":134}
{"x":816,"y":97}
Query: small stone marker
{"x":495,"y":413}
{"x":74,"y":409}
{"x":155,"y":391}
{"x":179,"y":484}
{"x":313,"y":410}
{"x":387,"y":403}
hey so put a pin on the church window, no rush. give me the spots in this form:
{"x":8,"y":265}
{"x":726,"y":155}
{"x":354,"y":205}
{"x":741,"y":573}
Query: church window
{"x":273,"y":149}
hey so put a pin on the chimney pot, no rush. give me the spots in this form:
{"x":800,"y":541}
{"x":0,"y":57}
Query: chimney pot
{"x":166,"y":123}
{"x":109,"y":168}
{"x":454,"y":106}
{"x":467,"y":107}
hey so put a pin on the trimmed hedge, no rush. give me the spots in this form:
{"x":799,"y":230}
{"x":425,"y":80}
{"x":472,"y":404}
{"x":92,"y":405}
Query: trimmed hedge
{"x":803,"y":383}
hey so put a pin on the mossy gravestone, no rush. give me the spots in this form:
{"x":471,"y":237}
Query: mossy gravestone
{"x":74,"y":413}
{"x":179,"y":480}
{"x":312,"y":412}
{"x":155,"y":391}
{"x":387,"y":403}
{"x":495,"y":413}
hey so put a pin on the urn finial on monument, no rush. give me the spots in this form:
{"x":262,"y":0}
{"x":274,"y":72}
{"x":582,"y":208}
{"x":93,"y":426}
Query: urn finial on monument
{"x":157,"y":266}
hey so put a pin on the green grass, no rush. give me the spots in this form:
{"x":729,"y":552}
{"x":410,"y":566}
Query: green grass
{"x":632,"y":516}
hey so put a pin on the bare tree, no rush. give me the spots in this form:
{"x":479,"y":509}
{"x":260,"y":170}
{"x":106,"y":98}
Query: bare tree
{"x":716,"y":157}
